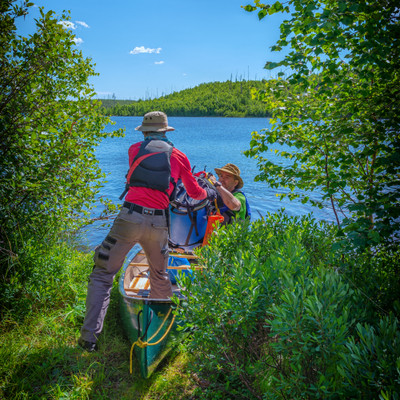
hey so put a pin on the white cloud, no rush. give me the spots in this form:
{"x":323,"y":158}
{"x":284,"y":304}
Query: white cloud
{"x":84,"y":24}
{"x":159,"y":62}
{"x":77,"y":40}
{"x":71,"y":25}
{"x":67,"y":24}
{"x":142,"y":49}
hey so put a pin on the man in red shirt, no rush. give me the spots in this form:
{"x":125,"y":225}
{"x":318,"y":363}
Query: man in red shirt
{"x":156,"y":166}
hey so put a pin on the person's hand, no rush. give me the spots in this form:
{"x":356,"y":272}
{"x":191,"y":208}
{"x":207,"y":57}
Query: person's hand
{"x":212,"y":178}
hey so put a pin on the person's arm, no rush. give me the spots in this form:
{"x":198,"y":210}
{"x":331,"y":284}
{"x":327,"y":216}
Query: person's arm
{"x":228,"y":198}
{"x":188,"y":180}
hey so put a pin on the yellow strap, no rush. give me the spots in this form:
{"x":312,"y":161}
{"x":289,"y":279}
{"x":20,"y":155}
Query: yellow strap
{"x":216,"y":206}
{"x":142,"y":344}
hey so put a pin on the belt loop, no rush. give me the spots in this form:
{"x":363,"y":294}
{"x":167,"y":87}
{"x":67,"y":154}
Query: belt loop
{"x":131,"y":206}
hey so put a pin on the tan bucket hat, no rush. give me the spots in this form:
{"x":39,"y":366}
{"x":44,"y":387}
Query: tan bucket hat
{"x":233,"y":170}
{"x":155,"y":121}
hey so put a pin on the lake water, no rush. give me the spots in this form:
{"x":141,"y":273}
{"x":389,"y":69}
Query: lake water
{"x":208,"y":143}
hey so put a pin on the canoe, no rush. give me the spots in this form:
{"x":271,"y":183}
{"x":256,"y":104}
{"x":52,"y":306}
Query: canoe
{"x":150,"y":323}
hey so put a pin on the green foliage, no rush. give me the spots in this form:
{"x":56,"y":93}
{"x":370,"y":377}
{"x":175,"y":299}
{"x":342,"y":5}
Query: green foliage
{"x":371,"y":367}
{"x":216,"y":99}
{"x":378,"y":275}
{"x":336,"y":117}
{"x":45,"y":275}
{"x":312,"y":320}
{"x":272,"y":317}
{"x":229,"y":301}
{"x":49,"y":128}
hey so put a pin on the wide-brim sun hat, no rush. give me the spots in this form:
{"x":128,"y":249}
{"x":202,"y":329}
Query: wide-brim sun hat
{"x":233,"y":170}
{"x":155,"y":121}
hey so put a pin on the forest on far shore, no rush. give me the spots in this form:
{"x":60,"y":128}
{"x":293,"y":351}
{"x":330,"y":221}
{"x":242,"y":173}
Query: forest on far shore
{"x":214,"y":99}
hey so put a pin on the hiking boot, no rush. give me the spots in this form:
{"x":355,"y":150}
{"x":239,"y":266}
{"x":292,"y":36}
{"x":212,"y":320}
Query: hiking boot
{"x":88,"y":346}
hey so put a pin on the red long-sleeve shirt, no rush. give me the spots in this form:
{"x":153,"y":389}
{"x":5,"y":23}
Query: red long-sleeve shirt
{"x":180,"y":168}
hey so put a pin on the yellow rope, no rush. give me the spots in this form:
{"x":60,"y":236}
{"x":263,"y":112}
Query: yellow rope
{"x":142,"y":344}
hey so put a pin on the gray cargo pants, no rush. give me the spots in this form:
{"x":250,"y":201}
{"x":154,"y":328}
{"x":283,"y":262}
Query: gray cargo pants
{"x":151,"y":232}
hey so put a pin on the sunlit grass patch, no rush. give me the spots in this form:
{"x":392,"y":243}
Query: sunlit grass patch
{"x":39,"y":356}
{"x":174,"y":381}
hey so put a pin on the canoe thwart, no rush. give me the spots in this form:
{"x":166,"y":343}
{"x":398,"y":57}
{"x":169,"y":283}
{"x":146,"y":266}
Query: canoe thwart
{"x":139,"y":264}
{"x":184,"y":255}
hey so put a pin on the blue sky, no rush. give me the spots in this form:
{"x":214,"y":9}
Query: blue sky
{"x":145,"y":49}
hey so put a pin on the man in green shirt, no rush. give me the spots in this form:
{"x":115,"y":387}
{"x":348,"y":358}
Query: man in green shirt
{"x":231,"y":201}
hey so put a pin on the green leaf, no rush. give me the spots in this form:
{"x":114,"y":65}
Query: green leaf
{"x":271,"y":65}
{"x":250,"y":8}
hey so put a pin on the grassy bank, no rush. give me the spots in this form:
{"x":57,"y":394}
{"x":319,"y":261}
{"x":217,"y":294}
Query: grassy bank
{"x":39,"y":357}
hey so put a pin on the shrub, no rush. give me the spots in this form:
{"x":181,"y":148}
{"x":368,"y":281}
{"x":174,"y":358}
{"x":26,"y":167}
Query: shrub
{"x":371,"y":367}
{"x":272,"y":317}
{"x":311,"y":322}
{"x":50,"y":272}
{"x":230,"y":302}
{"x":50,"y":127}
{"x":377,"y":274}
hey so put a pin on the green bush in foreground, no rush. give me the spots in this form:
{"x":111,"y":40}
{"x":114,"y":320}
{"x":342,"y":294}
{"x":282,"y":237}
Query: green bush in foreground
{"x":272,"y":318}
{"x":49,"y":130}
{"x":377,"y":273}
{"x":53,"y":278}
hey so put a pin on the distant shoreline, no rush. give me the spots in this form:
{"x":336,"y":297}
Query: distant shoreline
{"x":216,"y":99}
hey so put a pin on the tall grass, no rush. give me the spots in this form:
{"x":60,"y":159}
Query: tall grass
{"x":39,"y":328}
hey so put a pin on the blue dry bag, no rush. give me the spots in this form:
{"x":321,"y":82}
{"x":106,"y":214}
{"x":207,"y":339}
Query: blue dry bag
{"x":174,"y":273}
{"x":188,"y":219}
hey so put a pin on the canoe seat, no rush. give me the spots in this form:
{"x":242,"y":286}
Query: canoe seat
{"x":140,"y":282}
